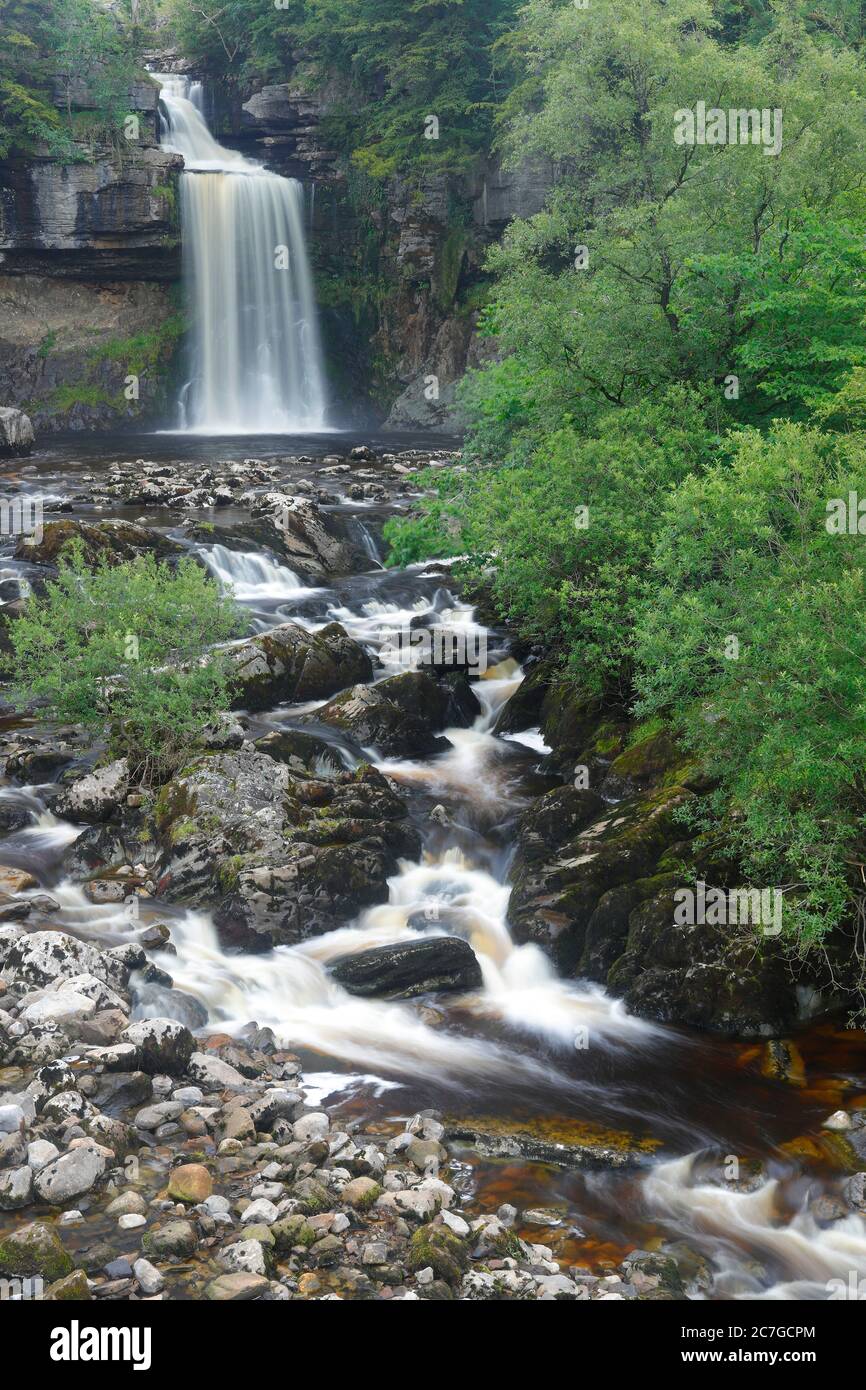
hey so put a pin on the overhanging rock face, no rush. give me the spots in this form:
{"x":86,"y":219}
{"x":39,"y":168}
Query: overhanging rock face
{"x":114,"y":218}
{"x":109,"y":213}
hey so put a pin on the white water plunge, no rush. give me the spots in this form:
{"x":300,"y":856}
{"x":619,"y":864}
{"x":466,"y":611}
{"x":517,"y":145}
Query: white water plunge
{"x":256,"y":360}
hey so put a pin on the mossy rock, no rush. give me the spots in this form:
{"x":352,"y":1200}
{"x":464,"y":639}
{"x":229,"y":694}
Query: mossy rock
{"x":34,"y":1250}
{"x":73,"y":1288}
{"x":439,"y":1249}
{"x":112,"y":541}
{"x":312,"y":1197}
{"x":553,"y":901}
{"x":655,"y":761}
{"x":292,"y":1231}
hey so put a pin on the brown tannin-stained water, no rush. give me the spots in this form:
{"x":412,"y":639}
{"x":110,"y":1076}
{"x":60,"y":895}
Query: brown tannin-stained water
{"x":561,"y":1100}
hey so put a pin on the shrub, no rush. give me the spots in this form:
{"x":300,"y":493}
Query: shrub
{"x":573,"y":586}
{"x":127,"y":648}
{"x":744,"y":553}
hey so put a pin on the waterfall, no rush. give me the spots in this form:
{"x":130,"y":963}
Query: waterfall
{"x":255,"y":360}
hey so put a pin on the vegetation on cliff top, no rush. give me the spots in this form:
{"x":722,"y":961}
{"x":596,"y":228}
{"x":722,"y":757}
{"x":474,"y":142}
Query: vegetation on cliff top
{"x":54,"y":50}
{"x":398,"y":65}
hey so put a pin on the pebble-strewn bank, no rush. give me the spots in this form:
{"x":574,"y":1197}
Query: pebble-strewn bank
{"x":153,"y":1165}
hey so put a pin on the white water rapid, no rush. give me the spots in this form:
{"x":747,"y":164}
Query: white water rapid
{"x":525,"y":1047}
{"x":255,"y":354}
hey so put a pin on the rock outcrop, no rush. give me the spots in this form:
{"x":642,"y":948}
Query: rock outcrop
{"x":402,"y":716}
{"x":286,"y":855}
{"x":406,"y":969}
{"x":287,"y":663}
{"x":17,"y":436}
{"x":598,"y":863}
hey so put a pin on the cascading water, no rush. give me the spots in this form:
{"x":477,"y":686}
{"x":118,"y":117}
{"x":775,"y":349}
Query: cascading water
{"x":526,"y":1051}
{"x":256,"y":361}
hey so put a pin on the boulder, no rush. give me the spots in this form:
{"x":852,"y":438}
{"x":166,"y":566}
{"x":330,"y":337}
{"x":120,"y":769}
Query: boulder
{"x":174,"y":1240}
{"x":400,"y":716}
{"x":560,"y":877}
{"x":34,"y":1250}
{"x":190,"y":1183}
{"x":16,"y":1188}
{"x":312,"y":541}
{"x":239,"y":1287}
{"x":17,"y":435}
{"x":305,"y":755}
{"x":436,"y":964}
{"x":69,"y":1176}
{"x":287,"y":856}
{"x":112,"y":541}
{"x":95,"y":797}
{"x":164,"y":1047}
{"x":44,"y":957}
{"x":715,"y":978}
{"x":215,"y":1074}
{"x":288,"y":664}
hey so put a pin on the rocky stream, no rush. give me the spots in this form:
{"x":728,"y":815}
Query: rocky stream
{"x":372,"y":1001}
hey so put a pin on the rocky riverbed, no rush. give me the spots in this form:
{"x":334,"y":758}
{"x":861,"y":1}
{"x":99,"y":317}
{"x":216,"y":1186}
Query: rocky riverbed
{"x":371,"y":1000}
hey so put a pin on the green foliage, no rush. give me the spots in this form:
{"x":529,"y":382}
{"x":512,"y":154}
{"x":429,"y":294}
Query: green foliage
{"x":744,"y":552}
{"x":703,"y":260}
{"x":567,"y":536}
{"x":53,"y":52}
{"x":143,"y":350}
{"x":126,"y":648}
{"x":706,"y":505}
{"x":397,"y":64}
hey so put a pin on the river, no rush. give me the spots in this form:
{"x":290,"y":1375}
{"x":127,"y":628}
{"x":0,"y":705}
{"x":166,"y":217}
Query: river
{"x":558,"y":1061}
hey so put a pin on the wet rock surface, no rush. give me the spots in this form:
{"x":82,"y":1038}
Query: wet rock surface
{"x":17,"y":435}
{"x":436,"y":966}
{"x":290,"y":664}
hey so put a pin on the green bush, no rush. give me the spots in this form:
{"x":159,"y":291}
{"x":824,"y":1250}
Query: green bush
{"x":571,"y":585}
{"x":128,"y":648}
{"x":777,"y":716}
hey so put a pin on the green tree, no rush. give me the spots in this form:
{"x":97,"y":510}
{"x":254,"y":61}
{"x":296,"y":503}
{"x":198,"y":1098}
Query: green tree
{"x":751,"y":642}
{"x":565,"y":539}
{"x":55,"y":52}
{"x":700,"y":259}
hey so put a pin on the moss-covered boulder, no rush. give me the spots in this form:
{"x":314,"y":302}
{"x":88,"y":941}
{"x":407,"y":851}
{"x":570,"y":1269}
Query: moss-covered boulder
{"x":111,"y":541}
{"x":722,"y":979}
{"x":286,"y":854}
{"x":652,"y":761}
{"x":440,"y":1249}
{"x":34,"y":1250}
{"x":288,"y":663}
{"x":292,"y":1231}
{"x":73,"y":1288}
{"x":555,"y":896}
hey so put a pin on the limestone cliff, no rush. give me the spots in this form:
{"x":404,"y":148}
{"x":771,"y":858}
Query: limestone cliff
{"x":89,"y":250}
{"x":398,"y":269}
